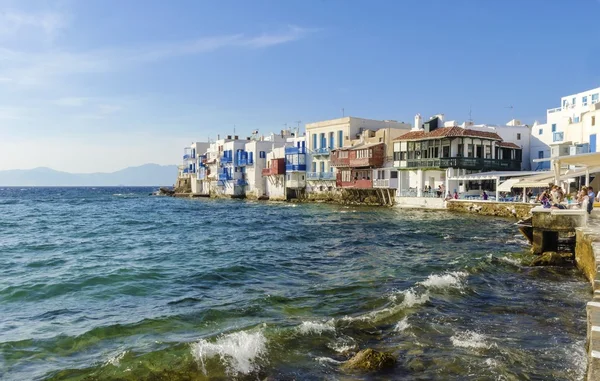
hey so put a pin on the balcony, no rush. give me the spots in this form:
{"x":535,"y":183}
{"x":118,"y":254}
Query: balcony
{"x":356,"y":184}
{"x":295,"y":150}
{"x":226,"y":160}
{"x":323,"y":151}
{"x":186,"y":157}
{"x":475,"y":163}
{"x":224,"y":177}
{"x":322,"y":176}
{"x":186,"y":170}
{"x":381,"y":183}
{"x":553,"y":110}
{"x":558,"y":136}
{"x":241,"y":182}
{"x":295,"y":167}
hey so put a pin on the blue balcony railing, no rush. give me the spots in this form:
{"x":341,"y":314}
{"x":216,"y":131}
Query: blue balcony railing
{"x":241,"y":182}
{"x":226,"y":159}
{"x":242,"y":162}
{"x":186,"y":157}
{"x":224,"y":177}
{"x":558,"y":136}
{"x":295,"y":167}
{"x":295,"y":150}
{"x":323,"y":151}
{"x":320,"y":176}
{"x":186,"y":170}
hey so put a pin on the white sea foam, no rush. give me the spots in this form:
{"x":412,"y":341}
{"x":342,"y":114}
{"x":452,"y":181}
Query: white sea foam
{"x":412,"y":298}
{"x":448,"y":280}
{"x":402,"y":325}
{"x":492,"y":363}
{"x":511,"y":261}
{"x":238,"y":351}
{"x":316,"y":328}
{"x":328,"y":359}
{"x":343,"y":344}
{"x":471,"y":339}
{"x":116,"y":359}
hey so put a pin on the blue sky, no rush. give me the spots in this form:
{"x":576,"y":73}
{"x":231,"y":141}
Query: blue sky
{"x":100,"y":85}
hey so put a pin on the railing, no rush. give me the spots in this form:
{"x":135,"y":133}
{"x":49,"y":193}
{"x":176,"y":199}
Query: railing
{"x":295,"y":150}
{"x":359,"y":184}
{"x":241,"y":182}
{"x":381,"y":183}
{"x":320,"y":176}
{"x":465,"y":163}
{"x":413,"y":192}
{"x":553,"y":110}
{"x":558,"y":136}
{"x":295,"y":167}
{"x":186,"y":157}
{"x":224,"y":177}
{"x":266,"y":172}
{"x":226,"y":159}
{"x":242,"y":162}
{"x":321,"y":151}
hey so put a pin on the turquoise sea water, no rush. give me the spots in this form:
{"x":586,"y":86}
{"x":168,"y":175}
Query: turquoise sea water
{"x":111,"y":284}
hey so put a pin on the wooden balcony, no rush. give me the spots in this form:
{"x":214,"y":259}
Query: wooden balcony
{"x":356,"y":184}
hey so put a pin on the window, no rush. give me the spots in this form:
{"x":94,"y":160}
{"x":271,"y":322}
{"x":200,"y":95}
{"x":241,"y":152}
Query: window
{"x":346,"y":176}
{"x":322,"y":166}
{"x":461,"y":150}
{"x":396,"y":156}
{"x":541,"y":131}
{"x":323,"y":140}
{"x":553,"y":127}
{"x":393,"y":174}
{"x":518,"y":136}
{"x":564,"y":103}
{"x":584,"y":100}
{"x":331,"y":140}
{"x":402,"y":155}
{"x":314,"y":166}
{"x":288,"y":177}
{"x":302,"y":177}
{"x":574,"y":101}
{"x":315,"y":141}
{"x":340,"y":138}
{"x":540,"y":154}
{"x":593,"y":120}
{"x":594,"y":98}
{"x":262,"y":154}
{"x":576,"y":119}
{"x":469,"y":150}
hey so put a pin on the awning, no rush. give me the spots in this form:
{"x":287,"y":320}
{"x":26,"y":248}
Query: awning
{"x":507,"y":185}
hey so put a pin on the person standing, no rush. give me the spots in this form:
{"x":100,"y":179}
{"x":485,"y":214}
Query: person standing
{"x":484,"y":196}
{"x":592,"y":197}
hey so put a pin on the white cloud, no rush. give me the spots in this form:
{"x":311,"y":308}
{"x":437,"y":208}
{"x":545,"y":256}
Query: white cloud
{"x":32,"y":69}
{"x":47,"y":24}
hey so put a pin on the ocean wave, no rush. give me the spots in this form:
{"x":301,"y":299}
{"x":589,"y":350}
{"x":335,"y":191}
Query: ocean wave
{"x":343,"y":344}
{"x":510,"y":261}
{"x":328,"y":360}
{"x":238,"y":351}
{"x":453,"y":279}
{"x":115,"y":360}
{"x":402,"y":325}
{"x":313,"y":327}
{"x":471,"y":339}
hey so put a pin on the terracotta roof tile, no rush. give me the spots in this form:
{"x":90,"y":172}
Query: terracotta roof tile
{"x":448,"y":132}
{"x":508,"y":145}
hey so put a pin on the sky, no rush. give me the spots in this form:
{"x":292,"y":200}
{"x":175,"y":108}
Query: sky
{"x":99,"y":85}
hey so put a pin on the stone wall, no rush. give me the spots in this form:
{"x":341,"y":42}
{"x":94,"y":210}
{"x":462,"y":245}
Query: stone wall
{"x":420,"y":202}
{"x":518,"y":210}
{"x":587,"y":257}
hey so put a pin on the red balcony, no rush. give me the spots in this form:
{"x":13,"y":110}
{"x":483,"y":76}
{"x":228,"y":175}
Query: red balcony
{"x":356,"y":184}
{"x":277,"y":168}
{"x":366,"y":155}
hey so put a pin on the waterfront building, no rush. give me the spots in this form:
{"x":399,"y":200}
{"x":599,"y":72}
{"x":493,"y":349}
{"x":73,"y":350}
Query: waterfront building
{"x":274,"y":175}
{"x":431,"y":153}
{"x":325,"y":136}
{"x":569,"y":129}
{"x":295,"y":166}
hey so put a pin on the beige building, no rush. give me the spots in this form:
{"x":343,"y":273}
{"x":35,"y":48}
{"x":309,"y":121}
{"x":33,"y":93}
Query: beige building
{"x":322,"y":137}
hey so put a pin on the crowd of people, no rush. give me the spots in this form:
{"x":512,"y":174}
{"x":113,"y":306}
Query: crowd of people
{"x":554,"y":197}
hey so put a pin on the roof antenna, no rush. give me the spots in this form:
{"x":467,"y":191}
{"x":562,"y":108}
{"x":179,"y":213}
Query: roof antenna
{"x":470,"y":115}
{"x":343,"y":113}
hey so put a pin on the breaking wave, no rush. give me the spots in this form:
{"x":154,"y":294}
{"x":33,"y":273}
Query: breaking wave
{"x":402,"y":325}
{"x":471,"y":339}
{"x":318,"y":328}
{"x":237,"y":351}
{"x":453,"y":279}
{"x":116,"y":359}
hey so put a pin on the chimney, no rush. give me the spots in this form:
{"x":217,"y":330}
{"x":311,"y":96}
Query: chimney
{"x":235,"y":137}
{"x":228,"y":137}
{"x":418,"y":121}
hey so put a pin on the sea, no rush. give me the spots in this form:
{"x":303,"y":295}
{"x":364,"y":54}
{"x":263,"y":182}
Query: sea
{"x":116,"y":284}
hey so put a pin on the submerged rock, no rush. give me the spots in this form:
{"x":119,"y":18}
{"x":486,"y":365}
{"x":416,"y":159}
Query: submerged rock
{"x":163,"y":191}
{"x":370,"y":360}
{"x":550,"y":258}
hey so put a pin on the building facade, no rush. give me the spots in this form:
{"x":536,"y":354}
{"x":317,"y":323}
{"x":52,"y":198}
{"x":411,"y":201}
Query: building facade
{"x":570,"y":128}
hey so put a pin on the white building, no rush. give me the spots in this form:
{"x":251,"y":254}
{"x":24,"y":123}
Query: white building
{"x":322,"y":137}
{"x":295,"y":166}
{"x":274,"y":175}
{"x":569,"y":129}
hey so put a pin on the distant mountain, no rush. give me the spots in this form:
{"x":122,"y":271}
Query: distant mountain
{"x":144,"y":175}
